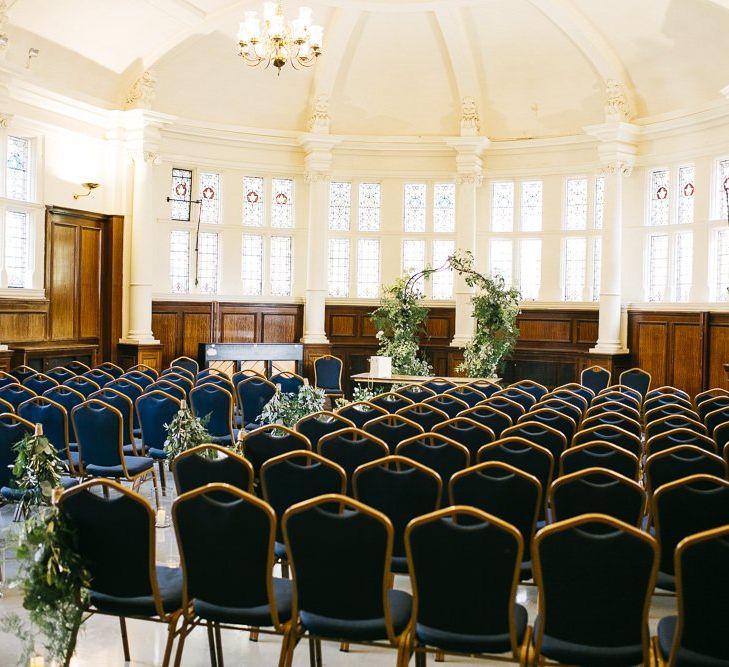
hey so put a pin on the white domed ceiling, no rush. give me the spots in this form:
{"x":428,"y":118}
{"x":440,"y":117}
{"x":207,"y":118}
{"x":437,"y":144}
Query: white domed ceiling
{"x":536,"y":68}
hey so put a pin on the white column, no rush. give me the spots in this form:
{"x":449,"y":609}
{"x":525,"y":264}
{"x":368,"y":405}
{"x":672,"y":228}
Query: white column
{"x":468,"y":180}
{"x":317,"y":165}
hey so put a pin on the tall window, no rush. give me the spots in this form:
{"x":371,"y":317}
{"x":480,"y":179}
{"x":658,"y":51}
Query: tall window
{"x":413,"y":259}
{"x":721,"y":268}
{"x":502,"y":207}
{"x":683,"y":265}
{"x":368,"y":268}
{"x":659,"y":203}
{"x":282,"y":202}
{"x":722,"y":182}
{"x":530,"y":269}
{"x":414,"y":207}
{"x":210,"y":198}
{"x":17,"y":248}
{"x":181,"y":194}
{"x":501,"y":259}
{"x":596,"y":268}
{"x":207,"y":263}
{"x":443,"y":280}
{"x":281,"y":265}
{"x":369,"y":207}
{"x":576,"y":203}
{"x":574,"y":268}
{"x":180,"y":261}
{"x":686,"y":191}
{"x":531,"y":206}
{"x":338,"y":267}
{"x":252,"y":265}
{"x":444,"y":208}
{"x":657,"y":267}
{"x":17,"y":173}
{"x":340,"y":206}
{"x":253,"y":201}
{"x":599,"y":202}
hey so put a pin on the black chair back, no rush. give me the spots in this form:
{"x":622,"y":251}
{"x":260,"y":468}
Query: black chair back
{"x":468,"y":395}
{"x":559,"y":421}
{"x":318,"y":424}
{"x":187,"y":363}
{"x":211,"y":464}
{"x":560,"y":405}
{"x":487,"y":388}
{"x":390,"y":401}
{"x":506,"y":406}
{"x":272,"y":440}
{"x":613,"y":419}
{"x":111,"y":368}
{"x":680,"y":462}
{"x":520,"y":396}
{"x":439,"y":385}
{"x":350,"y":448}
{"x":531,"y":387}
{"x":447,"y":403}
{"x":599,"y":454}
{"x":415,"y":392}
{"x":607,"y":433}
{"x":596,"y":378}
{"x":425,"y":415}
{"x":676,"y":437}
{"x":360,"y":412}
{"x":710,"y":404}
{"x":467,"y":432}
{"x":12,"y":429}
{"x":77,"y":367}
{"x":546,"y":436}
{"x":615,"y":407}
{"x":638,"y":379}
{"x":392,"y":429}
{"x":673,"y":422}
{"x":488,"y":416}
{"x":20,"y":373}
{"x":442,"y":455}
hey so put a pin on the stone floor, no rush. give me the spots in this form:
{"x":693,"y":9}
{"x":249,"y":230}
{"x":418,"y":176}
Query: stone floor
{"x":100,"y":645}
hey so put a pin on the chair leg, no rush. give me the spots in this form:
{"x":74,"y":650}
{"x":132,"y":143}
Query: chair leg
{"x":439,"y":656}
{"x":181,"y":642}
{"x":156,"y":488}
{"x":318,"y":653}
{"x":125,"y":639}
{"x":284,"y":569}
{"x":219,"y":644}
{"x":71,"y":645}
{"x":344,"y":647}
{"x":211,"y":646}
{"x":171,"y":632}
{"x":254,"y":635}
{"x":105,"y":490}
{"x":312,"y":652}
{"x":162,"y":477}
{"x":420,"y":658}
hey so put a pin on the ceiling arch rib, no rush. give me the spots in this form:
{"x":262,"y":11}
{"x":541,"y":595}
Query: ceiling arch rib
{"x":590,"y":42}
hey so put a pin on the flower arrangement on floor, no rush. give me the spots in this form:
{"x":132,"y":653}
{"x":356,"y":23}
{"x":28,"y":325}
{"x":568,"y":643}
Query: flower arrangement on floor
{"x":399,"y":321}
{"x":286,"y":409}
{"x":185,"y":431}
{"x":37,"y":470}
{"x":361,"y":392}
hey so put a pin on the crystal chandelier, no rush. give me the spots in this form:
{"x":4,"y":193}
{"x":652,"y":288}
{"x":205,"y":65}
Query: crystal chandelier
{"x":297,"y":42}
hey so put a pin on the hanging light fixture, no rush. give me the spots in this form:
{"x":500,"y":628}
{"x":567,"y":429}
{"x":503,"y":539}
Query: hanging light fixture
{"x":278,"y":42}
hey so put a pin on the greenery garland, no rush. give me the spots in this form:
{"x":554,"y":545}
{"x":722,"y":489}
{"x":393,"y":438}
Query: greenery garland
{"x":286,"y":408}
{"x":37,"y":470}
{"x":185,"y":432}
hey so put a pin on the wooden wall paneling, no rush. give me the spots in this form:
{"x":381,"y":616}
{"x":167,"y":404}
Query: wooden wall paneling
{"x":718,"y":349}
{"x":196,"y":328}
{"x":89,"y":289}
{"x":164,"y":327}
{"x":278,"y":327}
{"x":112,"y":286}
{"x":62,"y":257}
{"x":238,"y":327}
{"x":687,"y":352}
{"x":23,"y":321}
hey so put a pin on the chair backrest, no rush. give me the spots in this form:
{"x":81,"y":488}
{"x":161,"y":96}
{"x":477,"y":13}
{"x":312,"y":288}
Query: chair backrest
{"x":69,"y":398}
{"x":555,"y":419}
{"x":6,"y":379}
{"x":501,"y":489}
{"x":253,"y":394}
{"x":168,"y":388}
{"x":485,"y":387}
{"x":680,"y":462}
{"x":673,"y":422}
{"x":99,"y":431}
{"x":524,"y":455}
{"x":623,"y":389}
{"x":566,"y":396}
{"x":211,"y":464}
{"x":138,"y":378}
{"x":112,"y":369}
{"x":580,"y":564}
{"x":482,"y":604}
{"x":82,"y":385}
{"x":427,"y":416}
{"x":636,"y":378}
{"x":467,"y":432}
{"x":187,"y":363}
{"x":505,"y":405}
{"x":12,"y":429}
{"x":401,"y":488}
{"x":599,"y":454}
{"x":39,"y":383}
{"x":328,"y":372}
{"x":99,"y":376}
{"x":710,"y":404}
{"x":20,"y":373}
{"x":77,"y":367}
{"x":15,"y":394}
{"x":679,"y":436}
{"x":360,"y":412}
{"x":340,"y":553}
{"x":209,"y":531}
{"x":290,"y":383}
{"x":667,"y":390}
{"x":179,"y":370}
{"x":468,"y":395}
{"x":216,"y":404}
{"x":685,"y":507}
{"x":439,"y":385}
{"x":669,"y":410}
{"x":578,"y":389}
{"x":615,"y":396}
{"x":392,"y":429}
{"x":488,"y":416}
{"x":660,"y":400}
{"x":54,"y":418}
{"x":702,"y":585}
{"x":271,"y":440}
{"x":613,"y":406}
{"x":6,"y":407}
{"x":218,"y":380}
{"x":613,"y":419}
{"x":595,"y":378}
{"x":447,"y":403}
{"x":416,"y":392}
{"x":614,"y":434}
{"x":390,"y":401}
{"x":154,"y":410}
{"x":597,"y":491}
{"x":520,"y":396}
{"x":563,"y":407}
{"x":181,"y":380}
{"x":542,"y":434}
{"x":244,"y":374}
{"x":531,"y":387}
{"x":115,"y":538}
{"x":318,"y":424}
{"x":714,"y":419}
{"x":442,"y":455}
{"x":143,"y":368}
{"x":130,"y":389}
{"x":212,"y":372}
{"x":351,"y":448}
{"x":124,"y":405}
{"x":291,"y":478}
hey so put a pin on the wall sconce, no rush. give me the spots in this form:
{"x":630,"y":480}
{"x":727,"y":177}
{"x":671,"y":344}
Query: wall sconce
{"x":4,"y":40}
{"x":32,"y":53}
{"x":89,"y":187}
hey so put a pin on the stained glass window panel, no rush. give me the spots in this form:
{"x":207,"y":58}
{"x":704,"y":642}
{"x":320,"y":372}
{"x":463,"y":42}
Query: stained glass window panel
{"x":207,"y":263}
{"x":657,"y":267}
{"x":444,"y":208}
{"x":414,"y":203}
{"x":17,"y":248}
{"x":210,"y":196}
{"x":531,"y":206}
{"x":253,"y":201}
{"x":502,"y":207}
{"x":686,"y":197}
{"x":340,"y":206}
{"x":683,"y":268}
{"x":413,"y":259}
{"x":596,"y":268}
{"x":368,"y":268}
{"x":282,"y":203}
{"x":281,"y":265}
{"x":722,"y":177}
{"x":443,"y":280}
{"x":575,"y":264}
{"x":17,"y":174}
{"x":576,"y":217}
{"x":181,"y":194}
{"x":530,"y":269}
{"x":369,"y":207}
{"x":502,"y":259}
{"x":252,"y":264}
{"x":338,"y":267}
{"x":722,"y":266}
{"x":659,"y":197}
{"x":599,"y":205}
{"x":180,"y":261}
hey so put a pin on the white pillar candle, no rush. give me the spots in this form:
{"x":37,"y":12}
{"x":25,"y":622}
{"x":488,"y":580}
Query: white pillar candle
{"x":161,"y":517}
{"x":37,"y":661}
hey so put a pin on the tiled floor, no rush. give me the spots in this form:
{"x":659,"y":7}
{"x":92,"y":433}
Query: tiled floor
{"x":100,"y":643}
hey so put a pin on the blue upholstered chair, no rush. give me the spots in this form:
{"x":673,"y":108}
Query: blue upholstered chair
{"x":713,"y":420}
{"x":360,"y":412}
{"x":6,"y":379}
{"x":613,"y":406}
{"x":211,"y":372}
{"x":390,"y":401}
{"x":521,"y":396}
{"x":615,"y":396}
{"x":253,"y":394}
{"x":581,"y":564}
{"x":638,"y":379}
{"x":328,"y":374}
{"x":82,"y":385}
{"x":15,"y":394}
{"x":154,"y":410}
{"x":468,"y":395}
{"x":77,"y":367}
{"x":392,"y":429}
{"x":269,"y":441}
{"x":542,"y":434}
{"x":69,"y":399}
{"x":143,"y":368}
{"x":679,"y":436}
{"x":474,"y":614}
{"x":681,"y":462}
{"x":606,"y":433}
{"x":598,"y":491}
{"x":179,"y":370}
{"x":133,"y":391}
{"x":595,"y":378}
{"x":467,"y":432}
{"x":416,"y":392}
{"x":6,"y":407}
{"x":318,"y":424}
{"x":614,"y":419}
{"x":448,"y":403}
{"x":657,"y":401}
{"x":486,"y":387}
{"x":101,"y":377}
{"x":504,"y":405}
{"x":137,"y":377}
{"x":12,"y":429}
{"x":168,"y":388}
{"x":567,"y":396}
{"x":426,"y":416}
{"x":244,"y":374}
{"x":115,"y":538}
{"x":179,"y":379}
{"x":402,"y":489}
{"x":348,"y":597}
{"x":113,"y":397}
{"x":39,"y":383}
{"x":672,"y":422}
{"x":218,"y":380}
{"x":290,"y":383}
{"x":439,"y":385}
{"x":187,"y":363}
{"x":112,"y":369}
{"x":211,"y":464}
{"x":561,"y":406}
{"x":489,"y":417}
{"x":556,"y":419}
{"x":578,"y":389}
{"x":21,"y":373}
{"x":671,"y":409}
{"x":598,"y":454}
{"x":531,"y":387}
{"x":54,"y":419}
{"x":216,"y":404}
{"x":710,"y":404}
{"x":60,"y":374}
{"x":291,"y":478}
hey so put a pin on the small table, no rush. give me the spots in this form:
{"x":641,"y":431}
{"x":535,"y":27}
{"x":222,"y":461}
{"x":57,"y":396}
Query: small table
{"x":408,"y":379}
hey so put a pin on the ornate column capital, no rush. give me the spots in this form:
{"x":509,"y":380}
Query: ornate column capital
{"x":319,"y":118}
{"x":617,"y":106}
{"x":469,"y":179}
{"x":141,"y":93}
{"x":470,"y":122}
{"x":317,"y":176}
{"x":618,"y":166}
{"x":6,"y":119}
{"x":469,"y":165}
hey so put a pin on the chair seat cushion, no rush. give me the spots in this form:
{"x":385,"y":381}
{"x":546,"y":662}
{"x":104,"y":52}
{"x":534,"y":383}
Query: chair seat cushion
{"x":12,"y":495}
{"x":137,"y":432}
{"x":157,"y":454}
{"x":666,"y":581}
{"x":279,"y":550}
{"x":68,"y":482}
{"x":525,"y":571}
{"x":572,"y":653}
{"x":135,"y":466}
{"x":221,"y":440}
{"x":370,"y":629}
{"x":467,"y":643}
{"x":129,"y":450}
{"x":169,"y":580}
{"x":335,"y":392}
{"x":73,"y":446}
{"x":666,"y":632}
{"x":252,"y":616}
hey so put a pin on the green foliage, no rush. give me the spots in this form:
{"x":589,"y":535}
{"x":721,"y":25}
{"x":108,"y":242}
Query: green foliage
{"x":185,"y":432}
{"x":399,"y":323}
{"x":361,"y":392}
{"x":286,"y":409}
{"x":54,"y":581}
{"x":37,"y":469}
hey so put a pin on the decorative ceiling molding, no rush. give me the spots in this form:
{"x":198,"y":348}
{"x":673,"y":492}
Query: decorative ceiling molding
{"x":182,"y":10}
